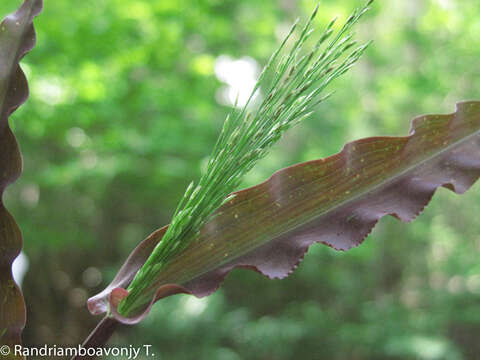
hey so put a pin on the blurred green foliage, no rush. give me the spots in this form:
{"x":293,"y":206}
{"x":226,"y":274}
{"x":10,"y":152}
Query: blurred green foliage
{"x":122,"y":113}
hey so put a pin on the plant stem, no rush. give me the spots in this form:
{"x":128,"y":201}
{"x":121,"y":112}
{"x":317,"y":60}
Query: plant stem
{"x":99,"y":336}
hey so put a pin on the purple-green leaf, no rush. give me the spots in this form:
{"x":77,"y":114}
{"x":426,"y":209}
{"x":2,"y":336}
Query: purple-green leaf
{"x":336,"y":201}
{"x":17,"y":37}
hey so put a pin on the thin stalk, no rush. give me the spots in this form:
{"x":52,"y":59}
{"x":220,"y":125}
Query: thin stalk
{"x":99,"y":336}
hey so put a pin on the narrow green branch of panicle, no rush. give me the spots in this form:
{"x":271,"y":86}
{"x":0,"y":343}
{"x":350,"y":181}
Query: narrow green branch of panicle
{"x":291,"y":85}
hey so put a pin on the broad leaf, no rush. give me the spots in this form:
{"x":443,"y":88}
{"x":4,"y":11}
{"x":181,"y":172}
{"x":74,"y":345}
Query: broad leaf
{"x":336,"y":201}
{"x":17,"y":37}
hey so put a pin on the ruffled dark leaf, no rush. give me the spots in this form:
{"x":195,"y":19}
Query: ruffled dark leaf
{"x":17,"y":37}
{"x":336,"y":201}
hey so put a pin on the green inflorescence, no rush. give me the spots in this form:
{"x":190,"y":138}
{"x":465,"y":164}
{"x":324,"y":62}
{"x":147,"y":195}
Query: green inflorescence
{"x":292,"y":83}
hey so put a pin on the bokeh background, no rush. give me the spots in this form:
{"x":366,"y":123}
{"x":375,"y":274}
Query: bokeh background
{"x":127,"y":98}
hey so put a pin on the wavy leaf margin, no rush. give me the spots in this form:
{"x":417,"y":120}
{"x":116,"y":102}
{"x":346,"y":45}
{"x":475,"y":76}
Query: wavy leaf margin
{"x":17,"y":37}
{"x":336,"y":201}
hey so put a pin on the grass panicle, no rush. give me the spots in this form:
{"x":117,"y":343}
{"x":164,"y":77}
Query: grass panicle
{"x":292,"y":84}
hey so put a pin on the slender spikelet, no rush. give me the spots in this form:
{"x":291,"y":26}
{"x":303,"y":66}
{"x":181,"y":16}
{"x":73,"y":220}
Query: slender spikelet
{"x":292,"y":83}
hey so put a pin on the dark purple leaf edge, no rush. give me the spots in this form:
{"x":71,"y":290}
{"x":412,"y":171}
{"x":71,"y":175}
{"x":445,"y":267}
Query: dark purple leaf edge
{"x":17,"y":37}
